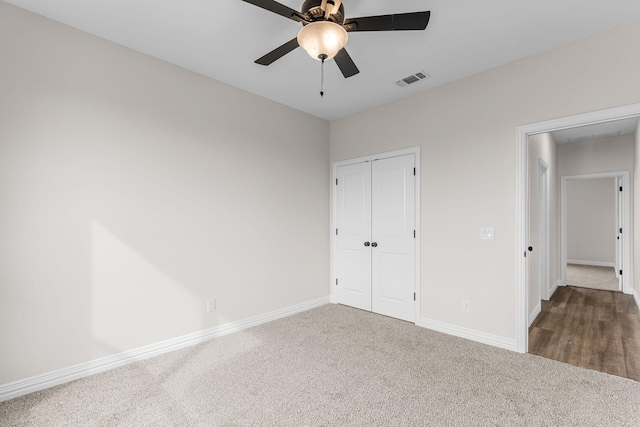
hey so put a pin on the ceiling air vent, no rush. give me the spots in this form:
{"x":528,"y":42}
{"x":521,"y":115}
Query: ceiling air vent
{"x":412,"y":79}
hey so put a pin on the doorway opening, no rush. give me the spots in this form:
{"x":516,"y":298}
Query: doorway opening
{"x":523,"y":133}
{"x":595,"y":227}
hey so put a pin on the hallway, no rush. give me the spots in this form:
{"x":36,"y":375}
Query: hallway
{"x":594,"y":329}
{"x":593,"y":277}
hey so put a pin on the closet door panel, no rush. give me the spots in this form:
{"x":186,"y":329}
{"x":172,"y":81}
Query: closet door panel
{"x":353,"y":228}
{"x":393,"y":225}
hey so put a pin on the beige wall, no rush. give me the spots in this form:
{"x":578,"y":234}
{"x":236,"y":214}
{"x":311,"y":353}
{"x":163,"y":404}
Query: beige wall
{"x":466,"y":131}
{"x":131,"y":191}
{"x":613,"y":154}
{"x":591,"y":221}
{"x":543,"y":146}
{"x":602,"y":155}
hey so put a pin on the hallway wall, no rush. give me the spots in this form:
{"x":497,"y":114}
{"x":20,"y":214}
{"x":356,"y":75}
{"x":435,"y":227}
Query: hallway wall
{"x":591,"y":221}
{"x":543,"y":146}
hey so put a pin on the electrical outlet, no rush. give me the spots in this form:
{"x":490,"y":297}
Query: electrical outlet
{"x":466,"y":306}
{"x":211,"y":305}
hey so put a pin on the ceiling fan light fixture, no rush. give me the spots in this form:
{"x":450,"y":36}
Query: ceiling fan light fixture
{"x":322,"y":38}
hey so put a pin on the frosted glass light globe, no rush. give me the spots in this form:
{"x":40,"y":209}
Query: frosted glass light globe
{"x":322,"y":38}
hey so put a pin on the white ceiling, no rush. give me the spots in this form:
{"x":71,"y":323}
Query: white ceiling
{"x":597,"y":131}
{"x":222,"y":38}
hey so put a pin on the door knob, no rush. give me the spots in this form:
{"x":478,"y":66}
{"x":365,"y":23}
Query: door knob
{"x":374,"y":245}
{"x":367,"y":243}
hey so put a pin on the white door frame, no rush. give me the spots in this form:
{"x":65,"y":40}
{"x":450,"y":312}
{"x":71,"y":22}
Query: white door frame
{"x":627,"y":284}
{"x":619,"y":221}
{"x":412,"y":150}
{"x":522,"y":134}
{"x":543,"y":241}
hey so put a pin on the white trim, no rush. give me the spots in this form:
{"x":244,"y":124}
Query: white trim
{"x":627,"y":277}
{"x":372,"y":157}
{"x":522,"y":134}
{"x":61,"y":376}
{"x":636,"y":296}
{"x":619,"y":242}
{"x":536,"y":311}
{"x":593,"y":263}
{"x":411,"y":150}
{"x":418,"y":231}
{"x":468,"y":333}
{"x":543,"y":239}
{"x":522,"y":222}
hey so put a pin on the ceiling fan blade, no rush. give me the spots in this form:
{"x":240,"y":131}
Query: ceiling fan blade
{"x":280,"y":9}
{"x":346,"y":64}
{"x":397,"y":22}
{"x":278,"y":53}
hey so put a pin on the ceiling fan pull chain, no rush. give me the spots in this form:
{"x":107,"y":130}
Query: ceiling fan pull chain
{"x":322,"y":58}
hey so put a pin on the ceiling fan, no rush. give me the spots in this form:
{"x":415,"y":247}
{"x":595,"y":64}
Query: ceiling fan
{"x":324,"y":30}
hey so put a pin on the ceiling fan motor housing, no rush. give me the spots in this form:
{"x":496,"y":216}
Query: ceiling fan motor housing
{"x":312,"y":9}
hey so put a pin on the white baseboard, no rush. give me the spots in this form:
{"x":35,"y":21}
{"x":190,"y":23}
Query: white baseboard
{"x":593,"y":263}
{"x":536,"y":311}
{"x":636,"y":296}
{"x":555,"y":286}
{"x":61,"y":376}
{"x":470,"y":334}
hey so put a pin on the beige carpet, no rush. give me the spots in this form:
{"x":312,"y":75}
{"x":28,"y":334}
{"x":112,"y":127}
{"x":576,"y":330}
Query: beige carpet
{"x":336,"y":366}
{"x":588,"y":276}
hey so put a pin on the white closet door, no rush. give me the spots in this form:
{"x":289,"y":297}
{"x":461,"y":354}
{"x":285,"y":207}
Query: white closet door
{"x":393,"y":241}
{"x":353,"y":258}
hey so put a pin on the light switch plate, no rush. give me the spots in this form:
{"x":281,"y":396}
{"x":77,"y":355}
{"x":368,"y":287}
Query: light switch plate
{"x":487,"y":233}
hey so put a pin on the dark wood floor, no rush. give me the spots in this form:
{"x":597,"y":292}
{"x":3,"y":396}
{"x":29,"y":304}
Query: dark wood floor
{"x":589,"y":328}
